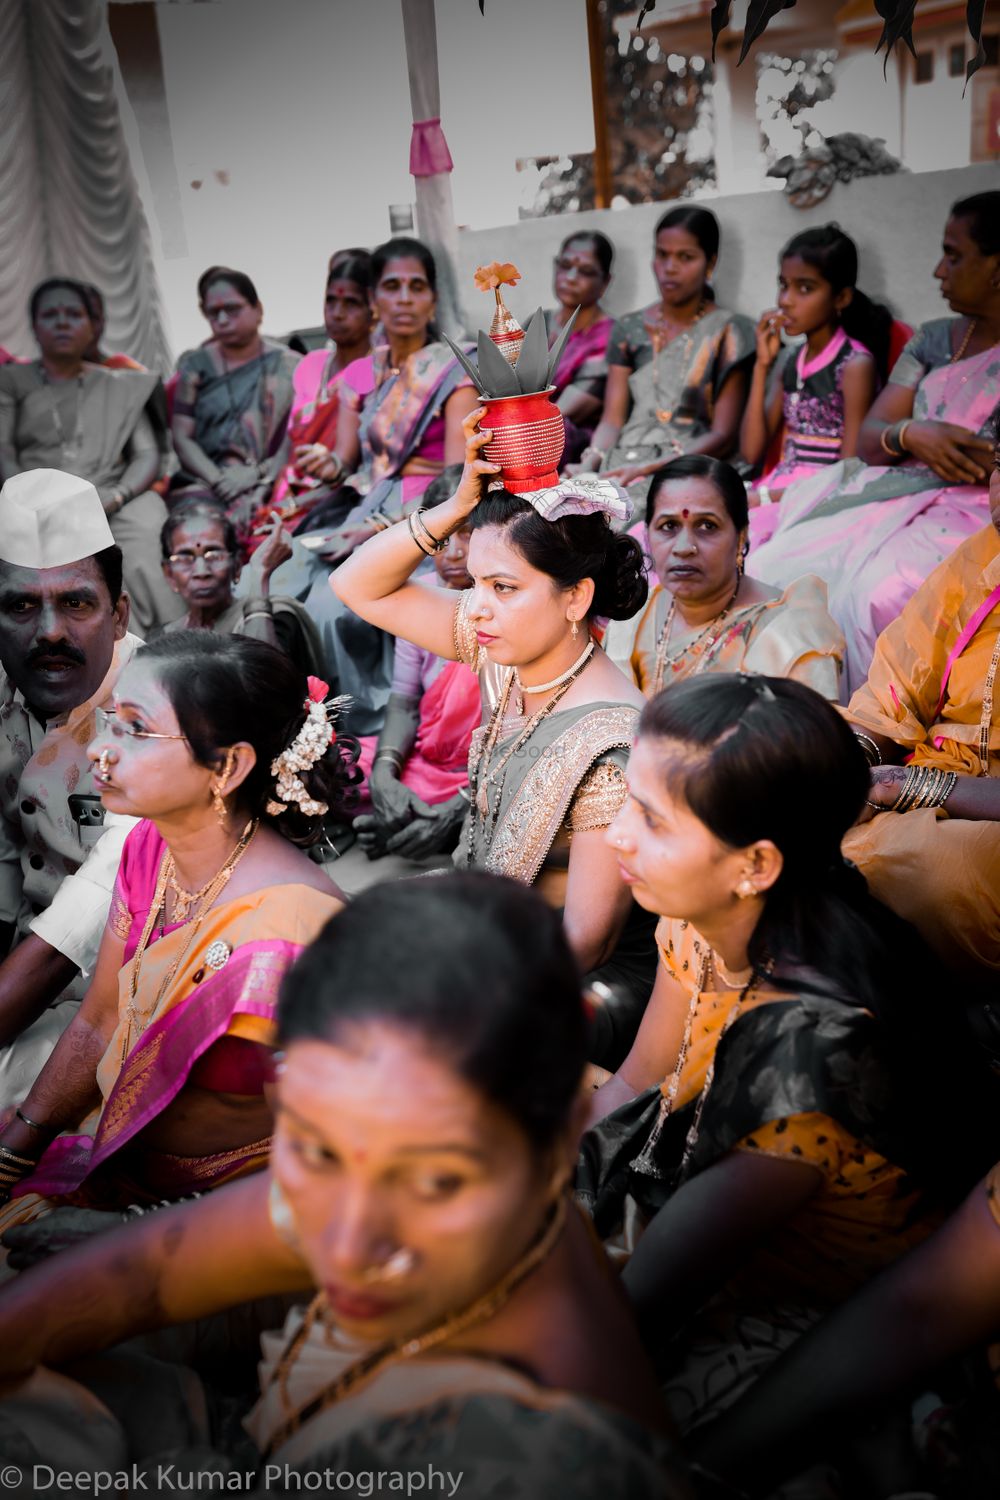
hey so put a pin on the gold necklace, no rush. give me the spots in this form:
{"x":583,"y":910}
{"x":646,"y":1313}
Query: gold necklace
{"x":717,"y":625}
{"x":478,"y":1312}
{"x":965,"y":342}
{"x":986,"y":718}
{"x":183,"y":899}
{"x":137,"y":1020}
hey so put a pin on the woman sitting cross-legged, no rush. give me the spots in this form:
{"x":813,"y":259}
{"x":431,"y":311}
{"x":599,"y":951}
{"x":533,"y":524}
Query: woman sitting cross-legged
{"x":707,"y":614}
{"x":462,"y":1315}
{"x":201,"y":563}
{"x":231,"y":403}
{"x":218,"y":746}
{"x":767,"y":1145}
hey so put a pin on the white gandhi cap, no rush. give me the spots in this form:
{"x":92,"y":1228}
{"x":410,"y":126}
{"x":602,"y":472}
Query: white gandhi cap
{"x":48,"y":518}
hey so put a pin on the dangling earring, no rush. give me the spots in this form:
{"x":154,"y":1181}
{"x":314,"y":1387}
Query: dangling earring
{"x":574,"y":630}
{"x":746,"y":889}
{"x":218,"y":800}
{"x":741,"y":557}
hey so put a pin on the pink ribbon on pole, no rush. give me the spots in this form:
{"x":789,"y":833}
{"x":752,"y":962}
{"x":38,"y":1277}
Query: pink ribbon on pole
{"x":429,"y":152}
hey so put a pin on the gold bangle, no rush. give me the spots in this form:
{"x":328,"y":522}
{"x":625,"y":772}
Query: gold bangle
{"x":901,"y":434}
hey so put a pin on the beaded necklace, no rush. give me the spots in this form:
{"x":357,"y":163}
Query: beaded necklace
{"x":484,"y":812}
{"x":711,"y":634}
{"x":645,"y":1162}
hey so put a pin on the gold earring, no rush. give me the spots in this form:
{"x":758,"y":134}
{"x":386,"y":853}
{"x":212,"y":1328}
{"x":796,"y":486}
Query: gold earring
{"x":574,"y":630}
{"x":746,"y":889}
{"x":218,"y":800}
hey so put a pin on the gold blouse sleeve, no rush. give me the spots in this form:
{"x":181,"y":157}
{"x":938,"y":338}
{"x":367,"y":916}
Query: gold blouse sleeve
{"x":599,"y":797}
{"x":466,"y":645}
{"x":119,"y":918}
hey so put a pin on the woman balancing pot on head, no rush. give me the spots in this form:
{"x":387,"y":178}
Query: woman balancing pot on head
{"x":707,"y":614}
{"x":460,"y":1314}
{"x":227,"y":756}
{"x":546,"y":766}
{"x":767,"y":1145}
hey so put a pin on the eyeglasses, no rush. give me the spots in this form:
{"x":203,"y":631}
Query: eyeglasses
{"x":109,"y":720}
{"x":216,"y":557}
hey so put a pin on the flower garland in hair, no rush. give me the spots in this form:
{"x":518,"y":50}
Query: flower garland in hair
{"x":309,"y":746}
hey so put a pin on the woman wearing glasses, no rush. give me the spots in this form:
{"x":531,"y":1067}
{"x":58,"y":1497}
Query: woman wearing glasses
{"x":201,"y":563}
{"x":156,"y":1088}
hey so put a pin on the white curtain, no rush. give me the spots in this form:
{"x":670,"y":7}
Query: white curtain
{"x":68,"y":200}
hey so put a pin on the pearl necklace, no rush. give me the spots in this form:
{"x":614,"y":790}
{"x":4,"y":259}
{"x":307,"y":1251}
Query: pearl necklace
{"x":547,"y":687}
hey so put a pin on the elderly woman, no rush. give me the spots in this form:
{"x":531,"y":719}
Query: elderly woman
{"x":165,"y":1063}
{"x":461,"y":1316}
{"x":59,"y":412}
{"x":231,"y":403}
{"x":929,"y":841}
{"x":678,"y":371}
{"x":876,"y":526}
{"x":706,"y":614}
{"x":201,"y":563}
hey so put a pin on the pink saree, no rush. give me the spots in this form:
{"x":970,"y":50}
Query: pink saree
{"x":207,"y":1004}
{"x":874,"y":534}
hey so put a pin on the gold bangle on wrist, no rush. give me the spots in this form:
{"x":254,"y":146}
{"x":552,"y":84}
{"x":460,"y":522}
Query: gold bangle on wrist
{"x":901,"y":434}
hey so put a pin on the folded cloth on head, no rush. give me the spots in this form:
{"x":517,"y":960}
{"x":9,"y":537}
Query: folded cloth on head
{"x":581,"y":496}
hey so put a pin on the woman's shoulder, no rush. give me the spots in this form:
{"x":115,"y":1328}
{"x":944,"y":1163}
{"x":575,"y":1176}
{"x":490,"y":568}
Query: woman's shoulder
{"x":17,"y":379}
{"x":521,"y":1442}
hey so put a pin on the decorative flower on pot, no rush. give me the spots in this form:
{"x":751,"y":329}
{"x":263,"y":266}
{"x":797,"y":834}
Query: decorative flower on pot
{"x":514,"y":378}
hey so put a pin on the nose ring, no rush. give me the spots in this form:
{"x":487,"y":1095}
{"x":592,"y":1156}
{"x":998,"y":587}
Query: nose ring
{"x":104,"y":764}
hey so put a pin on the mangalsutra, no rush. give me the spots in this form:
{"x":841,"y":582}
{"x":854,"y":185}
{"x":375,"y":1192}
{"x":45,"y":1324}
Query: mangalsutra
{"x":665,"y":414}
{"x":68,"y":451}
{"x":473,"y":1316}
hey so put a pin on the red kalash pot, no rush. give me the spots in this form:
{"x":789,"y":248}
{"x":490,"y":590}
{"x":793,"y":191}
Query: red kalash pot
{"x":529,"y":436}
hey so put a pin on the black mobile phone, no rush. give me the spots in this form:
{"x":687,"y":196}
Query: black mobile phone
{"x":86,"y":810}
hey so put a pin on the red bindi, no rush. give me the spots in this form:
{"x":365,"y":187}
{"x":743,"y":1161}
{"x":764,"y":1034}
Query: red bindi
{"x":685,"y":515}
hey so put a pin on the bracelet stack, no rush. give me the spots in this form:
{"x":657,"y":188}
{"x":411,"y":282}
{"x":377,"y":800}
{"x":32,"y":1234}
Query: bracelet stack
{"x":425,"y":539}
{"x":13,"y":1167}
{"x":873,"y":754}
{"x":394,"y":757}
{"x":893,"y":439}
{"x":924,"y":786}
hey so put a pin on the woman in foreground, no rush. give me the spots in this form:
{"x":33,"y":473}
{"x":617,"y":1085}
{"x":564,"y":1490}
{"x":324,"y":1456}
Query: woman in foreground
{"x":465,"y":1317}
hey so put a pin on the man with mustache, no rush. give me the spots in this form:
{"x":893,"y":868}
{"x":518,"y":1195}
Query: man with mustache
{"x":63,"y":643}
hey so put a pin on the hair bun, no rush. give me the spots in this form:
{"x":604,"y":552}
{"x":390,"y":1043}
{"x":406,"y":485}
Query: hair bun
{"x":622,"y":587}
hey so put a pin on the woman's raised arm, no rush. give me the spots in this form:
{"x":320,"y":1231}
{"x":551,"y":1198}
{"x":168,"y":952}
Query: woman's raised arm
{"x":374,"y":581}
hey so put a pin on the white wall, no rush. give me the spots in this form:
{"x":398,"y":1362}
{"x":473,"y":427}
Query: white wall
{"x":294,"y":118}
{"x":897,"y":222}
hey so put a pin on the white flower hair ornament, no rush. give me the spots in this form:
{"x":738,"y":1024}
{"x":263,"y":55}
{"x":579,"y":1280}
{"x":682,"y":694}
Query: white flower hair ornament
{"x":309,"y":746}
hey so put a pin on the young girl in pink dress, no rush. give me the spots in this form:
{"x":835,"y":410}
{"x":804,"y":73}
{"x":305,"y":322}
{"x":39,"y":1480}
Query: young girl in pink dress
{"x":823,"y":392}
